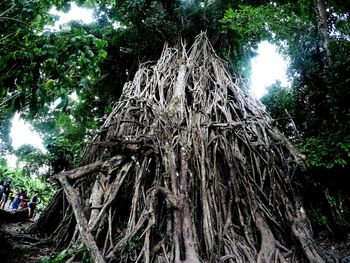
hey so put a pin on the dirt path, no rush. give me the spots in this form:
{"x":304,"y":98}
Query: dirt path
{"x":338,"y":247}
{"x":18,"y":246}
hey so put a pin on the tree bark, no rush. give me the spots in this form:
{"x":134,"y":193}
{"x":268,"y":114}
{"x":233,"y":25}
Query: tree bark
{"x":73,"y":198}
{"x":197,"y":173}
{"x":322,"y":23}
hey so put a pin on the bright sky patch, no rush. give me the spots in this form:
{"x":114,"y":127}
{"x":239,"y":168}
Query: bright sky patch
{"x":75,"y":13}
{"x":22,"y":133}
{"x":267,"y":68}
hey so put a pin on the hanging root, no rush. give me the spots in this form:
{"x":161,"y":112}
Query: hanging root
{"x":187,"y":168}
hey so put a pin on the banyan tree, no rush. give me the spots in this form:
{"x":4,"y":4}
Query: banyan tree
{"x":188,"y":167}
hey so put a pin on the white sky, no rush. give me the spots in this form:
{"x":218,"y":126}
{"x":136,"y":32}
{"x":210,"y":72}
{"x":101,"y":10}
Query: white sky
{"x":267,"y":67}
{"x":75,"y":13}
{"x":22,"y":133}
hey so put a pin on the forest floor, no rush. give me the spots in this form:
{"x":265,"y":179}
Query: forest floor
{"x":16,"y":245}
{"x":339,"y":247}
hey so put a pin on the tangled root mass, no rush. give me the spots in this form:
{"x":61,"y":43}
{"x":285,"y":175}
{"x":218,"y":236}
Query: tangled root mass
{"x":188,"y":167}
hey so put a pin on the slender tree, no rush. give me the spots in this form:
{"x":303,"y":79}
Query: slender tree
{"x":322,"y":22}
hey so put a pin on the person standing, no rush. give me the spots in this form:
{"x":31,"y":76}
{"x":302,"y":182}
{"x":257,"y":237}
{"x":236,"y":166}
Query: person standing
{"x":20,"y":196}
{"x":24,"y":199}
{"x":11,"y":196}
{"x":16,"y":201}
{"x":32,"y":204}
{"x":5,"y":195}
{"x":2,"y":188}
{"x":1,"y":184}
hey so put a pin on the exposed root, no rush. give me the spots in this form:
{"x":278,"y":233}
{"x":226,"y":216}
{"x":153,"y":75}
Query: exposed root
{"x":302,"y":232}
{"x":188,"y":167}
{"x":73,"y":198}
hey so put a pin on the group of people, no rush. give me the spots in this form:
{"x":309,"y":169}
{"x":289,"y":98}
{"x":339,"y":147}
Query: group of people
{"x":17,"y":199}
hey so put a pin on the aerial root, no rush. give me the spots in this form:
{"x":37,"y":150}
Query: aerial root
{"x":302,"y":232}
{"x":187,"y":168}
{"x":73,"y":198}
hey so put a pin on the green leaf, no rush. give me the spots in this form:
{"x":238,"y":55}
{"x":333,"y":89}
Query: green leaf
{"x":49,"y":84}
{"x":102,"y":54}
{"x":61,"y":255}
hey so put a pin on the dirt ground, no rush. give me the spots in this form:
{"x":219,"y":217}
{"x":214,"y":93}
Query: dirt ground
{"x":18,"y":246}
{"x":338,"y":247}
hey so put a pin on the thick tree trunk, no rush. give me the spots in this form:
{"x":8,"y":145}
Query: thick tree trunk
{"x":189,"y":169}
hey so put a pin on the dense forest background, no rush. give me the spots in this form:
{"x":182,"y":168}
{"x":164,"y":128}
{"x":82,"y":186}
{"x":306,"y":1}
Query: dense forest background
{"x":93,"y":61}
